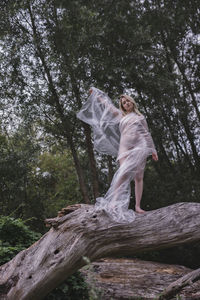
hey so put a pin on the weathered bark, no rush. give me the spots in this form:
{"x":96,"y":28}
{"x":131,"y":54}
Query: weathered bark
{"x":175,"y":287}
{"x":84,"y":232}
{"x":122,"y":279}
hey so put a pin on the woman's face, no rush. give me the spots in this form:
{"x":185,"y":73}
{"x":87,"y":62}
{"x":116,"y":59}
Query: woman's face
{"x":127,"y":104}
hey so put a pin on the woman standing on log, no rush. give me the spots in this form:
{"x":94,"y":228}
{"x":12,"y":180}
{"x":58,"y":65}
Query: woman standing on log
{"x":123,"y":133}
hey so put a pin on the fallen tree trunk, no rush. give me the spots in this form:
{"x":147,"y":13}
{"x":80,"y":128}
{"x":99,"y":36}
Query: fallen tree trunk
{"x":34,"y":272}
{"x":175,"y":287}
{"x":128,"y":278}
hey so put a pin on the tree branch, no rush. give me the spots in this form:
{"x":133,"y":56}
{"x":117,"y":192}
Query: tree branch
{"x":179,"y":284}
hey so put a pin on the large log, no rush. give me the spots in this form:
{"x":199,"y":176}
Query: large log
{"x":34,"y":272}
{"x":127,"y":278}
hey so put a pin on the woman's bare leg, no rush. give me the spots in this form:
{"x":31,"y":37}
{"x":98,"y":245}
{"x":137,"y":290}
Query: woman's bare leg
{"x":138,"y":193}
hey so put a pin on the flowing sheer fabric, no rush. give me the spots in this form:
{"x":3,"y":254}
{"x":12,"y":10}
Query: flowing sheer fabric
{"x":126,"y":137}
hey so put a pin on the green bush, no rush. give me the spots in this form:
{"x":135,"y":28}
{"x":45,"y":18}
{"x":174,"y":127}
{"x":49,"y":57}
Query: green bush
{"x":16,"y":236}
{"x":72,"y":289}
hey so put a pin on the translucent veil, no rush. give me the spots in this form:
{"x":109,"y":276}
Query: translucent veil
{"x":126,"y":137}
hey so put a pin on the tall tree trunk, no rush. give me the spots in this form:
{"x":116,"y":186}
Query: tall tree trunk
{"x":59,"y":109}
{"x":159,"y":141}
{"x":183,"y":150}
{"x":170,"y":52}
{"x":190,"y":137}
{"x":110,"y":169}
{"x":184,"y":117}
{"x":79,"y":172}
{"x":87,"y":129}
{"x":187,"y":83}
{"x":89,"y":144}
{"x":95,"y":182}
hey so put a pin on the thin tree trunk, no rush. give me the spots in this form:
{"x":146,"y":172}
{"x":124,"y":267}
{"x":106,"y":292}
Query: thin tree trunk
{"x":110,"y":169}
{"x":95,"y":182}
{"x":187,"y":83}
{"x":190,"y":137}
{"x":87,"y":131}
{"x":171,"y":53}
{"x":159,"y":141}
{"x":79,"y":172}
{"x":59,"y":109}
{"x":170,"y":69}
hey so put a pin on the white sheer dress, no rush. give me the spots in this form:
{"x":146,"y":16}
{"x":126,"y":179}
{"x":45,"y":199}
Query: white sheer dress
{"x":126,"y":137}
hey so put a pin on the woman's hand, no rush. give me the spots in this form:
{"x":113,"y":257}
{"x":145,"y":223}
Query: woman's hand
{"x":155,"y":156}
{"x":90,"y":91}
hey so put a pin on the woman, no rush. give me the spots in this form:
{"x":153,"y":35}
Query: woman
{"x":123,"y":133}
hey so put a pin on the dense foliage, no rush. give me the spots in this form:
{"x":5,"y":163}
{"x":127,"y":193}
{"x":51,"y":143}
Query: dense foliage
{"x":16,"y":236}
{"x":35,"y":183}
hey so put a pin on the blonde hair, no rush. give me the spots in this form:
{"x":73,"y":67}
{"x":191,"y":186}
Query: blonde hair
{"x":135,"y":108}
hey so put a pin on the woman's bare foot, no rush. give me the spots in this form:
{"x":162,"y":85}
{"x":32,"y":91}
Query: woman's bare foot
{"x":139,"y":210}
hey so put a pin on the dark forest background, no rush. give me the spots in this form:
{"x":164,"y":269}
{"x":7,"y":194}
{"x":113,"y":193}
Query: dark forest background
{"x":51,"y":53}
